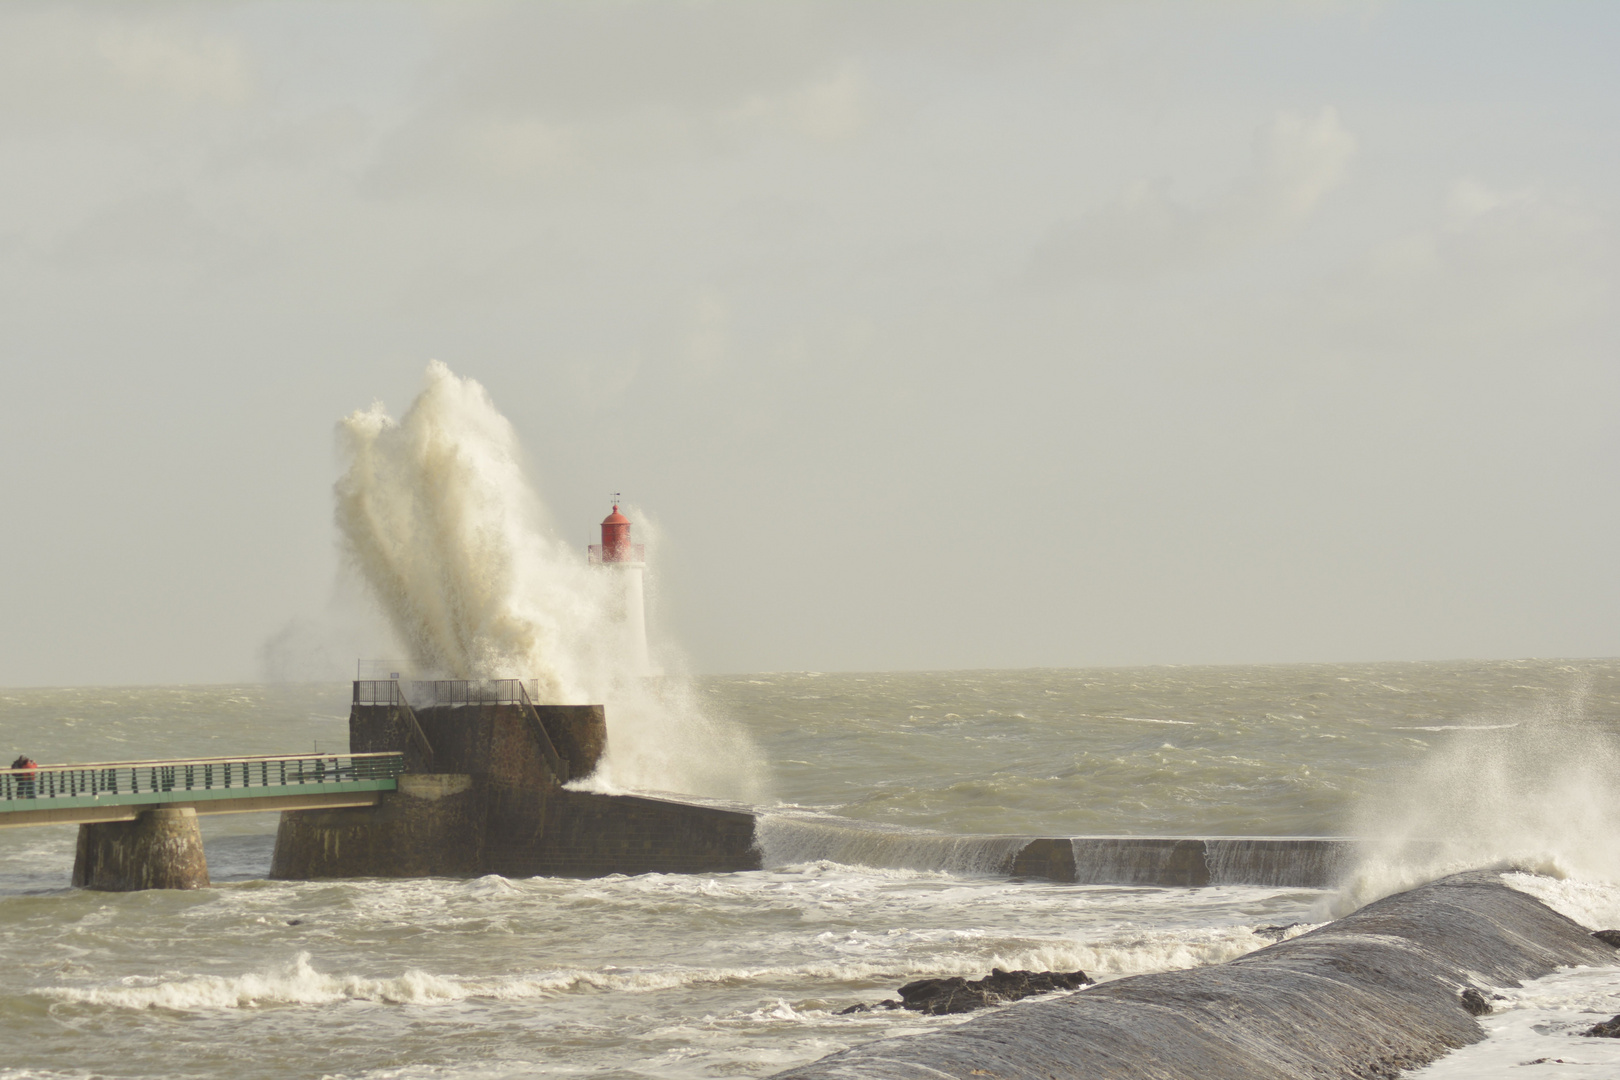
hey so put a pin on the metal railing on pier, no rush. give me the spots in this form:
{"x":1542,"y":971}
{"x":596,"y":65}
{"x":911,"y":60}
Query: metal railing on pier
{"x":113,"y":782}
{"x":423,"y":694}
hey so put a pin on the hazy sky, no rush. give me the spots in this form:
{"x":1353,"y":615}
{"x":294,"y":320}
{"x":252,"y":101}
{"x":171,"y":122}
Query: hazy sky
{"x":932,"y":335}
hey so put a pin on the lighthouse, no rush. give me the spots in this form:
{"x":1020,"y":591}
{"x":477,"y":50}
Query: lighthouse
{"x":626,"y":561}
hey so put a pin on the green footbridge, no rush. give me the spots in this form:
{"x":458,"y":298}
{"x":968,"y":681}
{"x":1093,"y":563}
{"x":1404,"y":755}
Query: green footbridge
{"x":87,"y":794}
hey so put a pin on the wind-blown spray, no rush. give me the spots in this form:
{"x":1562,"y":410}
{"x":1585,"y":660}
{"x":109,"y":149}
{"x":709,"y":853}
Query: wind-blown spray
{"x":438,"y":517}
{"x":1537,"y":791}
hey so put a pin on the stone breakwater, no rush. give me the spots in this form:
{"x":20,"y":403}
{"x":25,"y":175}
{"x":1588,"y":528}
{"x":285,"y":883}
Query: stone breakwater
{"x":1370,"y":995}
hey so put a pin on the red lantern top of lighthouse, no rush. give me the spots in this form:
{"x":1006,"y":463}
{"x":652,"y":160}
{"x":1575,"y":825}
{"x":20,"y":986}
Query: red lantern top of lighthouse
{"x":616,"y":546}
{"x":615,"y":537}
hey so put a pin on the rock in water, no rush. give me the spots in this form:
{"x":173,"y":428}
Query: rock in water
{"x":1474,"y":1002}
{"x":939,"y":997}
{"x":1609,"y":937}
{"x":1609,"y":1029}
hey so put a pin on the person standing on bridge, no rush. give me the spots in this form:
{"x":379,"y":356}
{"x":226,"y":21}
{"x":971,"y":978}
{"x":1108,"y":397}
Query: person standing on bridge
{"x":25,"y":779}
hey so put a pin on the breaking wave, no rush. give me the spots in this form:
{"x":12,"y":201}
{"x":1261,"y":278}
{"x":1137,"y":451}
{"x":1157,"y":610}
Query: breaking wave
{"x":299,"y":982}
{"x":438,"y":518}
{"x":1538,"y":793}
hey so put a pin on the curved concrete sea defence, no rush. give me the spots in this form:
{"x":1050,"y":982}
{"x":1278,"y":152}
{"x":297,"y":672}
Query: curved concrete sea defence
{"x":1370,"y":995}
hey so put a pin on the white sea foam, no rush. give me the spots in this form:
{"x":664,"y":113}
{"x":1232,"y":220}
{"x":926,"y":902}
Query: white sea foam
{"x":1139,"y":952}
{"x":933,"y":953}
{"x":856,"y":959}
{"x":1595,"y":904}
{"x":490,"y":885}
{"x":438,"y":517}
{"x":296,"y":982}
{"x":1540,"y":1024}
{"x":1455,"y":727}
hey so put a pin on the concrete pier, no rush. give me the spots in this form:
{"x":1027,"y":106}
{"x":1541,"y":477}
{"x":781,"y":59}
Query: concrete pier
{"x":432,"y":826}
{"x":160,"y":849}
{"x":498,"y":805}
{"x":463,"y":826}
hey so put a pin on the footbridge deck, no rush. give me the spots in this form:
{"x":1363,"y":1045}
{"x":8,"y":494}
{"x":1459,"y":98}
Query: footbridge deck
{"x":120,"y":790}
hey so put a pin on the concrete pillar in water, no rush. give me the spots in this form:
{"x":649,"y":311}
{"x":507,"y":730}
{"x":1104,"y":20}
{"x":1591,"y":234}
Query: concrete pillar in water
{"x":160,"y":849}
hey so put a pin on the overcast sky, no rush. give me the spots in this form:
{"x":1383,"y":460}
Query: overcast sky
{"x":931,"y":335}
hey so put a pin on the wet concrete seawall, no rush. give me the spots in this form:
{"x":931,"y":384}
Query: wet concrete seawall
{"x":1372,"y":994}
{"x":1173,"y":861}
{"x":1283,"y":862}
{"x":483,"y":793}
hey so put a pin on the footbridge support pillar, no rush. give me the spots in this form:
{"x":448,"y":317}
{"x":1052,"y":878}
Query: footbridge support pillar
{"x":161,"y":849}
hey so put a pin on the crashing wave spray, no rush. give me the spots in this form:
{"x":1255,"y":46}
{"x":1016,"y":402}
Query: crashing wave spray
{"x":438,"y":518}
{"x":1539,"y":792}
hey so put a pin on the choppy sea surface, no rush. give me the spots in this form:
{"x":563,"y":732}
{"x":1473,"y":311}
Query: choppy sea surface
{"x":743,"y":974}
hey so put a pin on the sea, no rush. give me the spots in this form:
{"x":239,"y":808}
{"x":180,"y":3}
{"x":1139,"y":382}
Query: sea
{"x":1437,"y":766}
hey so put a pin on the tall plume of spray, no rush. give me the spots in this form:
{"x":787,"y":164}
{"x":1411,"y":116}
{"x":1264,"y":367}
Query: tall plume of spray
{"x":438,"y":518}
{"x":1536,"y":791}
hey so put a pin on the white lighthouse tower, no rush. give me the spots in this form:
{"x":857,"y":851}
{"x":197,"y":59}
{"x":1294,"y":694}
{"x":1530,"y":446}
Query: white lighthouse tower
{"x":627,"y":562}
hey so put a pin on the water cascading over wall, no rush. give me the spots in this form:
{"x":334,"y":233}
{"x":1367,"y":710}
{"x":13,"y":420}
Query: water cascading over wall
{"x":787,"y":840}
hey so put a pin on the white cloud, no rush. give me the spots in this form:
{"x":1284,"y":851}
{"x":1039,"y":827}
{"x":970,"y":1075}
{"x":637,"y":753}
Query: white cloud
{"x":1494,"y":269}
{"x":828,"y":110}
{"x":88,"y":67}
{"x":176,"y":60}
{"x":491,"y":147}
{"x":520,"y":148}
{"x":709,"y":340}
{"x":1297,"y":161}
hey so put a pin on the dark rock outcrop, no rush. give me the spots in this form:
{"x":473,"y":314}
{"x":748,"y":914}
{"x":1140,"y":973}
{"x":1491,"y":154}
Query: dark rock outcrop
{"x":938,"y":997}
{"x":1475,"y":1003}
{"x":1370,"y":995}
{"x":1608,"y":1029}
{"x":867,"y":1006}
{"x":1609,"y":937}
{"x":956,"y":994}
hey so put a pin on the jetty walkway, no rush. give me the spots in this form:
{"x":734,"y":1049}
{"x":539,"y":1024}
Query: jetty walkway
{"x":108,"y":791}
